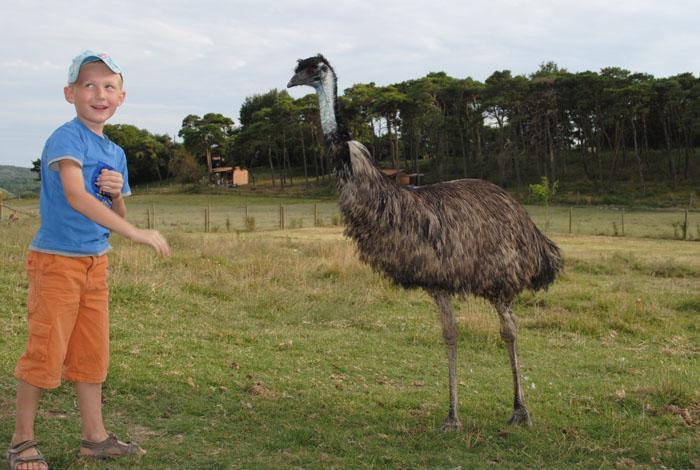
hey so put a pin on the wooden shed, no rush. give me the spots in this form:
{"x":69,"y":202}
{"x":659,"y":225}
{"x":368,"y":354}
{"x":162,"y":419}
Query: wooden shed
{"x":227,"y":175}
{"x":400,"y":176}
{"x":240,"y":176}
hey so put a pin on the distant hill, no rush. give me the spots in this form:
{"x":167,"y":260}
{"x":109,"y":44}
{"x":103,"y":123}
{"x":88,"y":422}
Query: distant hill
{"x":18,"y":181}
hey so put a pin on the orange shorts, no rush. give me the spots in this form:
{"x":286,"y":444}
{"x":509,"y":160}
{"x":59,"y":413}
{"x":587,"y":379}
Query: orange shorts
{"x":68,"y":307}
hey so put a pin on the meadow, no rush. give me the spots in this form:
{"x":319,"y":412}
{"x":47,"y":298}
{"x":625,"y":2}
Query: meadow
{"x":279,"y":349}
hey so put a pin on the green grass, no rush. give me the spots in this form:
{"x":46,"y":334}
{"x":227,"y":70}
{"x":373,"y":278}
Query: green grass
{"x":278,"y":349}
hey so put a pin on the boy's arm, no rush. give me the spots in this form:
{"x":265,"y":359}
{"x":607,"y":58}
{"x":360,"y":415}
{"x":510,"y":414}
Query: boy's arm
{"x":83,"y":202}
{"x":119,"y":206}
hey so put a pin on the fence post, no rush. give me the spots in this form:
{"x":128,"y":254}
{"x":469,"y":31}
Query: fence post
{"x":623,"y":221}
{"x":685,"y":226}
{"x":206,"y":219}
{"x":1,"y":194}
{"x":281,"y":216}
{"x":571,"y":210}
{"x":315,"y":214}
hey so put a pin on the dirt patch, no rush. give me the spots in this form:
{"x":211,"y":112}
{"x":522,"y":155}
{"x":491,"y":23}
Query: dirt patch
{"x":689,"y":415}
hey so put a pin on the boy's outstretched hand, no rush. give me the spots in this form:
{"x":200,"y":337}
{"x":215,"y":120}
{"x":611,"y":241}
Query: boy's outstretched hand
{"x":154,"y":239}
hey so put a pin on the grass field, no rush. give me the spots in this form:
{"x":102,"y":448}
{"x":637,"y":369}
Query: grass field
{"x":278,"y":349}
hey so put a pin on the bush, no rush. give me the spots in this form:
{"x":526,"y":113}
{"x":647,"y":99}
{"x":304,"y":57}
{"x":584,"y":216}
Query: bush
{"x":250,"y":223}
{"x":184,"y":167}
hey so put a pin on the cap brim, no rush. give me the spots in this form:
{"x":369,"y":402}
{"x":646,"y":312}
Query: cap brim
{"x":111,"y":65}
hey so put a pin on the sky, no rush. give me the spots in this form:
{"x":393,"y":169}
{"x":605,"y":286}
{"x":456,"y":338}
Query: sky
{"x":184,"y":57}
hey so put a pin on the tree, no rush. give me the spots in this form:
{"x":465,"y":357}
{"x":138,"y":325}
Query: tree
{"x":207,"y":138}
{"x":36,"y":168}
{"x":147,"y":155}
{"x":513,"y":129}
{"x":543,"y":193}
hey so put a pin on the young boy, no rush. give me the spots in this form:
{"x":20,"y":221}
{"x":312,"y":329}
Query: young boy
{"x":83,"y":185}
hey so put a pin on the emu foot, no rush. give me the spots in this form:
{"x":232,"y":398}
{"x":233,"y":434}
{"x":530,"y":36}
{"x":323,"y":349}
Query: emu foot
{"x":521,"y":417}
{"x":451,"y":424}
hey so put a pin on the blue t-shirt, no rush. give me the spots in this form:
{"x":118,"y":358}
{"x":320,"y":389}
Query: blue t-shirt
{"x":64,"y":230}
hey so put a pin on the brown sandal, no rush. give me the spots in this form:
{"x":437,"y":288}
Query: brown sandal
{"x":110,"y":447}
{"x":14,"y":459}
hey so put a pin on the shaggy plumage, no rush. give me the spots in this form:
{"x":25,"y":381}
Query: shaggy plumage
{"x":454,"y":238}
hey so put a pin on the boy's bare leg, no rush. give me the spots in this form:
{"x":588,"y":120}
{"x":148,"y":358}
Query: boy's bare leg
{"x":90,"y":403}
{"x":27,"y":405}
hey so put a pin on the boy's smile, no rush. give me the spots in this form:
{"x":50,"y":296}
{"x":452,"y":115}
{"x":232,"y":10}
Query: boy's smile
{"x":96,"y":95}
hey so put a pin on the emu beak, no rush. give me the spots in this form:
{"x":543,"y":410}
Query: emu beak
{"x":300,"y":78}
{"x":294,"y":81}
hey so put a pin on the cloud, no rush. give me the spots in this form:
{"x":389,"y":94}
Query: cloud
{"x":182,"y":57}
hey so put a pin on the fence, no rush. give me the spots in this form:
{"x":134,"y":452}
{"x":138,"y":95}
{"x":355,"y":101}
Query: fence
{"x":13,"y":213}
{"x":581,"y":220}
{"x":223,"y":217}
{"x":643,"y":223}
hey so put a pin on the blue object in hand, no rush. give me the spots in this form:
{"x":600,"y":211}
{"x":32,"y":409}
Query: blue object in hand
{"x":103,"y":197}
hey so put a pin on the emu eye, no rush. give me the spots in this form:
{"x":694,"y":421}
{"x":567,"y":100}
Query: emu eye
{"x":324,"y":68}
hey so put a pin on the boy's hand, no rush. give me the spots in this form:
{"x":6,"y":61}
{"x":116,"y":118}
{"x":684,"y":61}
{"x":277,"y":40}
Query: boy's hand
{"x":111,"y":182}
{"x":154,"y":239}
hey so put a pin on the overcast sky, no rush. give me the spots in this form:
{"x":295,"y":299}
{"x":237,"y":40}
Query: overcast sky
{"x":185,"y":57}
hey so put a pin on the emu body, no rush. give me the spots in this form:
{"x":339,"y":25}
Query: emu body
{"x":453,"y":238}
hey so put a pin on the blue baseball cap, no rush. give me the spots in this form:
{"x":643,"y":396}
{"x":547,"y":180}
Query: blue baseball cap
{"x":87,"y":57}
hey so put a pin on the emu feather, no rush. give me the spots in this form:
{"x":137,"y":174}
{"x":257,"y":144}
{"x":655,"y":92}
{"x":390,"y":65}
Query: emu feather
{"x":453,"y":238}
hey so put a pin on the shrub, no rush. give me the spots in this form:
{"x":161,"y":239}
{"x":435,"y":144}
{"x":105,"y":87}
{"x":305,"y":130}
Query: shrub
{"x":250,"y":223}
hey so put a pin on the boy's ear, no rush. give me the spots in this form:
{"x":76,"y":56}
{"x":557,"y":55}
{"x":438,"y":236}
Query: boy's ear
{"x":69,"y":94}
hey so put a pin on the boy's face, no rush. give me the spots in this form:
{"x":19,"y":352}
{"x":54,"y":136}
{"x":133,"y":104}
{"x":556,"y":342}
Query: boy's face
{"x":96,"y":95}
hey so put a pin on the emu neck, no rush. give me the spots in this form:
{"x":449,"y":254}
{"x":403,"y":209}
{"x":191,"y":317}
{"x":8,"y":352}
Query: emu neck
{"x":326,"y":92}
{"x":364,"y":188}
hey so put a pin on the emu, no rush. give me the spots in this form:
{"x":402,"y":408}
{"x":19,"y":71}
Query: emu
{"x":464,"y":237}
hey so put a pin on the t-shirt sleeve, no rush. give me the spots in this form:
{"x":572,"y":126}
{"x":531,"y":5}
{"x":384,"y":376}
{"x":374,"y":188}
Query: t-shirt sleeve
{"x":64,"y":143}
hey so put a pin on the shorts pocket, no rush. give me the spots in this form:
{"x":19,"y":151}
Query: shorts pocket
{"x":38,"y":345}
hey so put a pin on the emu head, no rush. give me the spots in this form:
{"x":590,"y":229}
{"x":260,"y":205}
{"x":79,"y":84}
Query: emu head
{"x":314,"y":72}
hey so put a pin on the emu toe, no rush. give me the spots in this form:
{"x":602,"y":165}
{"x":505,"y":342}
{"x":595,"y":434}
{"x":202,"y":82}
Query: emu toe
{"x":452,"y":424}
{"x":521,"y":417}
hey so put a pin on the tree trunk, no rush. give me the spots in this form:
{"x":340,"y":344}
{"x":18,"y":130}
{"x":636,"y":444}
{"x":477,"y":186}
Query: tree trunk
{"x":462,"y":149}
{"x":316,"y":156}
{"x":285,"y":157}
{"x":637,"y":156}
{"x":272,"y":166}
{"x":616,"y":152}
{"x":280,"y":165}
{"x":672,"y":173}
{"x":550,"y":151}
{"x":303,"y":157}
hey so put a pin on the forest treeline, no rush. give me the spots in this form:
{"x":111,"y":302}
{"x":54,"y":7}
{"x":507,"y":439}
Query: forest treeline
{"x":600,"y":127}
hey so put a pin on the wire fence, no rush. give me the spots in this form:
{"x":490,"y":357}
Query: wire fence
{"x":13,"y":213}
{"x":223,"y":218}
{"x":677,"y":224}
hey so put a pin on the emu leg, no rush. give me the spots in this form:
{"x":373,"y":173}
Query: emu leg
{"x":449,"y":333}
{"x":509,"y":333}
